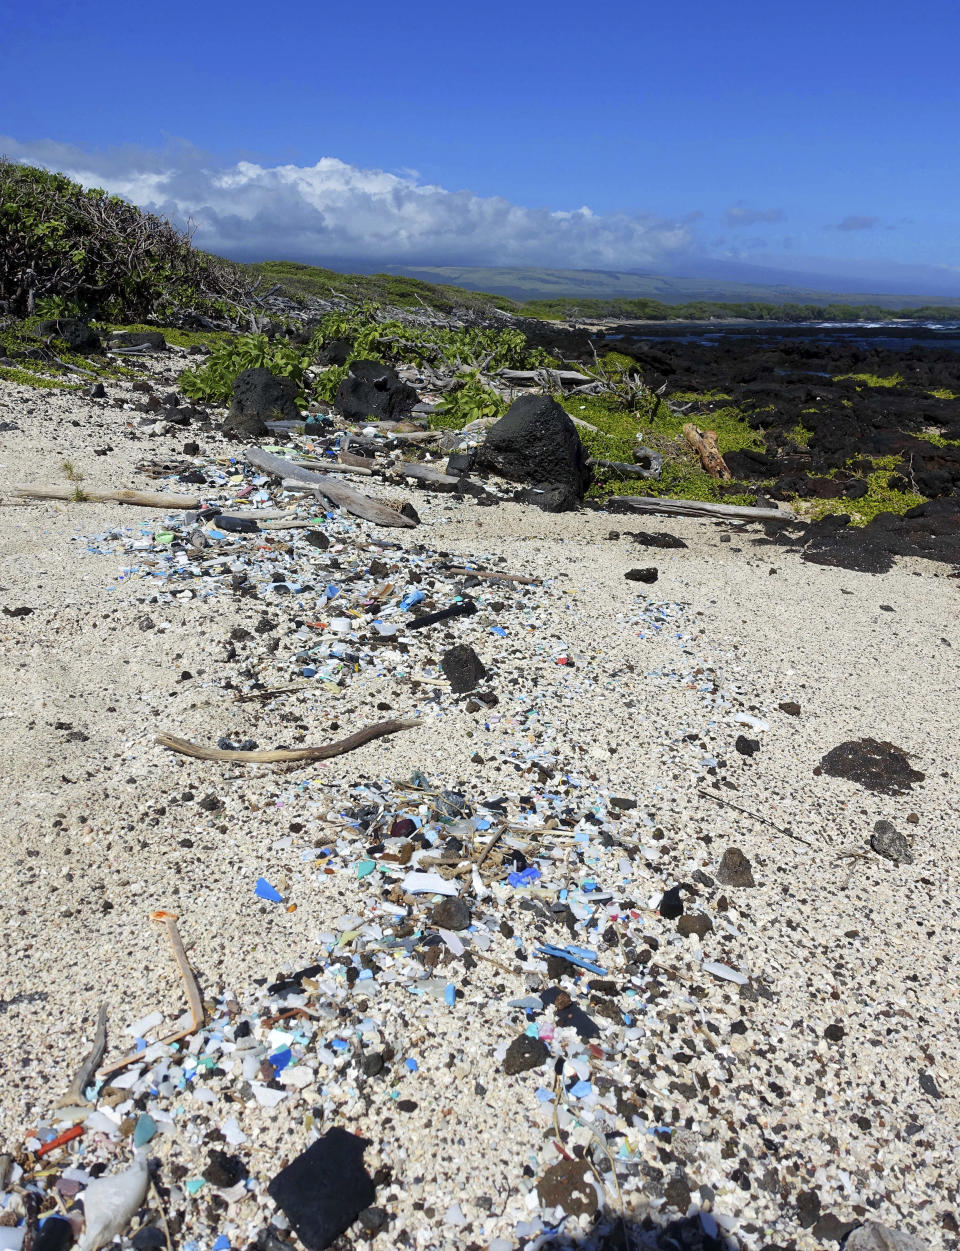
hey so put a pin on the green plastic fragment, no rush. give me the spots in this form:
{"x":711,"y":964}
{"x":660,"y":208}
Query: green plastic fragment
{"x":365,"y":867}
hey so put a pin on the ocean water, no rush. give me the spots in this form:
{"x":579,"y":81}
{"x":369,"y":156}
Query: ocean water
{"x":896,"y":336}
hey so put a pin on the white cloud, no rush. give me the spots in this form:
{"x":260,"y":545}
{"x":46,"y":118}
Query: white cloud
{"x":333,"y":210}
{"x":739,"y":215}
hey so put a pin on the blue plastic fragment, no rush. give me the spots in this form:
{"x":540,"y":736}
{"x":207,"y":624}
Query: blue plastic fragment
{"x":498,"y":630}
{"x":263,"y":890}
{"x":570,"y":955}
{"x":222,"y":1243}
{"x":581,"y":1090}
{"x":525,"y":877}
{"x":450,"y":995}
{"x":408,"y":601}
{"x":411,"y":1065}
{"x":280,"y":1059}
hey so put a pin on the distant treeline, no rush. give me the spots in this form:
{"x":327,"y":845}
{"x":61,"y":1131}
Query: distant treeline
{"x":705,"y":310}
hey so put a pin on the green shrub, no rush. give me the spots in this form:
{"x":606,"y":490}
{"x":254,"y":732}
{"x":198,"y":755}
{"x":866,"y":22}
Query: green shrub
{"x":213,"y":381}
{"x":68,"y":251}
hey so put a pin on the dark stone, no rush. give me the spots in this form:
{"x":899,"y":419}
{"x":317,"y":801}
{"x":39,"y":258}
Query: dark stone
{"x":372,"y":1219}
{"x":888,"y":842}
{"x":808,"y":1208}
{"x":830,"y":1228}
{"x":623,"y":803}
{"x":879,"y":767}
{"x":460,"y":463}
{"x":834,"y":1033}
{"x":211,"y":803}
{"x":872,"y":1236}
{"x":224,"y":1170}
{"x":335,"y":352}
{"x":747,"y":746}
{"x":259,"y":397}
{"x":462,"y":667}
{"x":55,"y":1234}
{"x":97,"y":392}
{"x":694,"y":923}
{"x":790,"y":707}
{"x":525,"y":1053}
{"x":929,"y":1086}
{"x":324,"y":1190}
{"x":71,"y":331}
{"x":554,"y":499}
{"x":735,"y":869}
{"x":372,"y":1064}
{"x":642,"y":575}
{"x":644,"y":539}
{"x":151,"y":339}
{"x":536,"y":443}
{"x":677,"y":1192}
{"x":566,"y":1185}
{"x":372,"y":390}
{"x":149,"y":1237}
{"x":671,"y":905}
{"x":450,"y":914}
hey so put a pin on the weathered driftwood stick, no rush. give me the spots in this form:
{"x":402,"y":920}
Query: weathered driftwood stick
{"x":699,"y":508}
{"x":704,"y":443}
{"x":429,"y":475}
{"x":491,"y":574}
{"x":370,"y":732}
{"x":75,"y":1096}
{"x":359,"y":462}
{"x":197,"y":1014}
{"x":87,"y":495}
{"x":336,"y":466}
{"x":533,"y":376}
{"x":626,"y":471}
{"x":337,"y":492}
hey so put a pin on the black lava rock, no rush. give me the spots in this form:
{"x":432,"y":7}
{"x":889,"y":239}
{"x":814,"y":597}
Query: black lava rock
{"x":373,"y":390}
{"x":747,"y":746}
{"x":224,"y":1170}
{"x":259,"y":397}
{"x":694,"y":923}
{"x":536,"y":443}
{"x":887,"y":841}
{"x":735,"y":869}
{"x":324,"y":1190}
{"x":642,"y":575}
{"x":451,"y":914}
{"x":879,"y":767}
{"x":671,"y":905}
{"x":71,"y":331}
{"x":525,"y":1053}
{"x":462,"y":667}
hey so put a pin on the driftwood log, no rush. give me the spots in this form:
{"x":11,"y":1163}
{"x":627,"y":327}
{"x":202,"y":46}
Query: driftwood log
{"x":704,"y":443}
{"x":337,"y":492}
{"x":623,"y":470}
{"x":87,"y":495}
{"x":429,"y":475}
{"x":284,"y":754}
{"x":698,"y":508}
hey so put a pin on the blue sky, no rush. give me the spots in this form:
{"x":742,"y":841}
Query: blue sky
{"x":817,"y":137}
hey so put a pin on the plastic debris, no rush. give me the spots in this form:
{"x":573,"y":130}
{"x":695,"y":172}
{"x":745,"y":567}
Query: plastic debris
{"x":323,"y":1191}
{"x":109,"y":1203}
{"x":263,"y":890}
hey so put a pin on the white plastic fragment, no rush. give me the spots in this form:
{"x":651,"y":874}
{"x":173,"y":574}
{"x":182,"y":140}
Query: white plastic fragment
{"x":452,"y":941}
{"x":725,"y":971}
{"x":110,"y":1202}
{"x":416,"y":883}
{"x":138,"y":1029}
{"x":754,"y":723}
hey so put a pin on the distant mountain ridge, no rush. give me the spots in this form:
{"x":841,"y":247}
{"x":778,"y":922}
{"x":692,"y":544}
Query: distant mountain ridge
{"x":529,"y":283}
